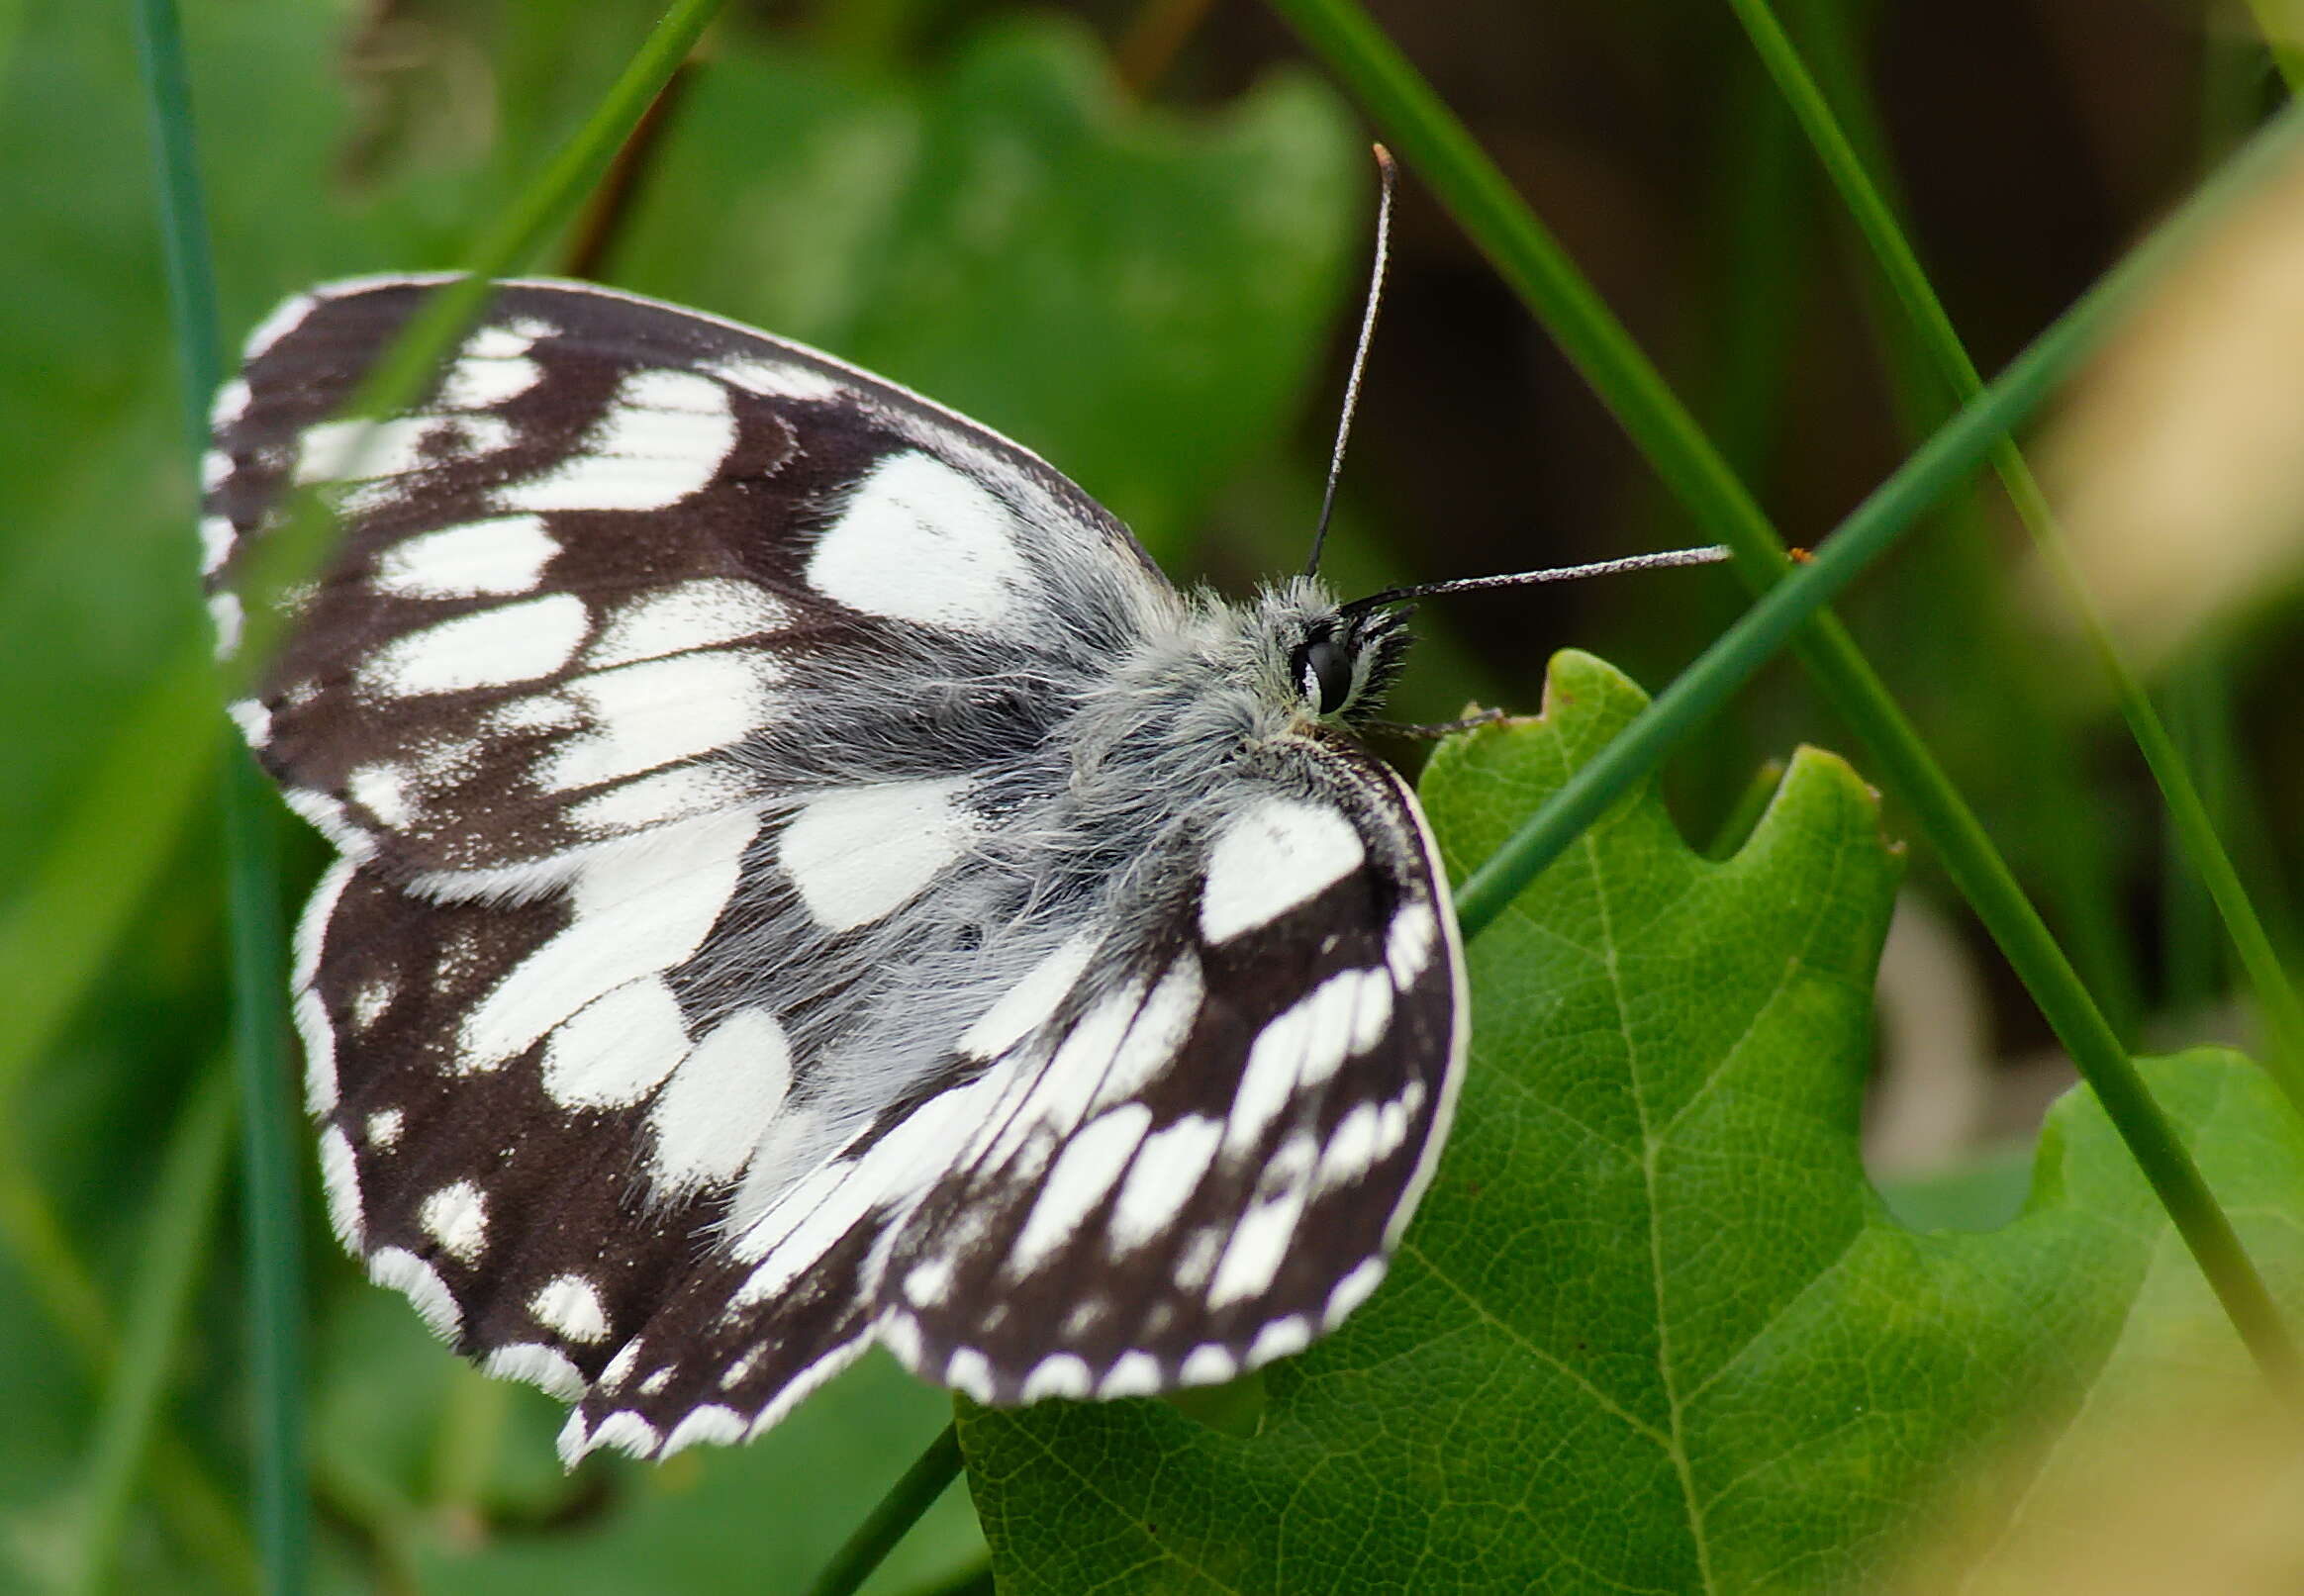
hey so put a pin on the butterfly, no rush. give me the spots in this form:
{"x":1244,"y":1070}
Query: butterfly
{"x":806,"y":879}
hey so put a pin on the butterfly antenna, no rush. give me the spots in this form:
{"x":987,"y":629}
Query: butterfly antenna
{"x":1387,"y":174}
{"x":1711,"y":554}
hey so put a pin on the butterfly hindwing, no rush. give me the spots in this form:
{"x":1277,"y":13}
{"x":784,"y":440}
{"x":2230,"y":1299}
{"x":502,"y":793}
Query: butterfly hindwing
{"x":1200,"y":1166}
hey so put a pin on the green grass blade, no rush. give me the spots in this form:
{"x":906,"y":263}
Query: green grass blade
{"x":2044,"y":753}
{"x":929,"y":1476}
{"x":293,"y":553}
{"x":178,"y":1231}
{"x":271,"y":1207}
{"x":273,"y":1236}
{"x":2283,"y":1012}
{"x":1423,"y":130}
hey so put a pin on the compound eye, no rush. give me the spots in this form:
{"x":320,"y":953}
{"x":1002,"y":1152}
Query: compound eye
{"x":1325,"y":670}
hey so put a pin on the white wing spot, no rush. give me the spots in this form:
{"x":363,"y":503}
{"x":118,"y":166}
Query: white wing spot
{"x":313,"y":1023}
{"x":1304,"y":1046}
{"x":489,"y":648}
{"x":230,"y":404}
{"x":501,"y":556}
{"x":1280,"y":1338}
{"x":225,"y":615}
{"x":1091,"y":1163}
{"x":642,"y":906}
{"x":457,"y":1216}
{"x":619,"y":1367}
{"x":777,"y":379}
{"x":382,"y":789}
{"x":1260,"y":1240}
{"x":399,"y":1270}
{"x":969,"y":1370}
{"x":253,"y":719}
{"x":538,"y":1364}
{"x":217,"y":535}
{"x":1207,"y":1365}
{"x":1275,"y":856}
{"x":1408,"y":944}
{"x":1064,"y":1375}
{"x":703,"y":613}
{"x":921,"y":541}
{"x":1198,"y":1257}
{"x":711,"y":1115}
{"x":925,"y":1285}
{"x":570,"y":1304}
{"x":664,"y":435}
{"x":370,"y":451}
{"x":1352,"y":1290}
{"x":854,"y":854}
{"x":384,"y":1127}
{"x":1032,"y":1003}
{"x":1131,"y":1375}
{"x":627,"y":1433}
{"x":900,"y":1333}
{"x":714,"y":1425}
{"x":1351,"y":1150}
{"x":658,"y":713}
{"x":489,"y":374}
{"x":618,"y":1048}
{"x":1166,"y":1171}
{"x":1158,"y":1035}
{"x":339,"y":1180}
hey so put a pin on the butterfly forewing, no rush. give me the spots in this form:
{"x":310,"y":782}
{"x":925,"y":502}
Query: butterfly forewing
{"x":617,"y":541}
{"x":730,"y":960}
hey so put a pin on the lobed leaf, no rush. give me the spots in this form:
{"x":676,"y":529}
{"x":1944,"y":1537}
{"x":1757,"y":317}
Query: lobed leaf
{"x":1652,"y":1328}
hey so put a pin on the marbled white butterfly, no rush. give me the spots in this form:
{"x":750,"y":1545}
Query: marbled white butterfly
{"x":806,"y":879}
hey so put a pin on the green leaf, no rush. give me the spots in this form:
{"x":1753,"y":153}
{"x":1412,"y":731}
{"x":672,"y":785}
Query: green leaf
{"x":1652,"y":1330}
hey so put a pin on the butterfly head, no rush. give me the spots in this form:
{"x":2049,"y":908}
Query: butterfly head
{"x":1333,"y":662}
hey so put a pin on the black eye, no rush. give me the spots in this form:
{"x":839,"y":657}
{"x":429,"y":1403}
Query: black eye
{"x":1324,"y":668}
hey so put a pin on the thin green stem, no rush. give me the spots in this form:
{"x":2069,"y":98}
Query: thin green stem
{"x":252,"y":871}
{"x":179,"y":1228}
{"x":929,"y":1476}
{"x":2039,"y":756}
{"x":293,"y":553}
{"x":271,"y":1206}
{"x":1421,"y":129}
{"x":2282,"y":1010}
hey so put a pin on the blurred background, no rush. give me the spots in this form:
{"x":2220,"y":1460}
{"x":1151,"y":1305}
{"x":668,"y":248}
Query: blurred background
{"x":1132,"y":234}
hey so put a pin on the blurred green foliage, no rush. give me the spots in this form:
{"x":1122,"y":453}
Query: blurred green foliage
{"x":962,"y":198}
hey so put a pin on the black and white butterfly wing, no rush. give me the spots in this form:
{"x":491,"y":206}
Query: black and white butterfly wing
{"x":1179,"y":1146}
{"x":1200,"y":1161}
{"x":708,"y":970}
{"x":585,"y":568}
